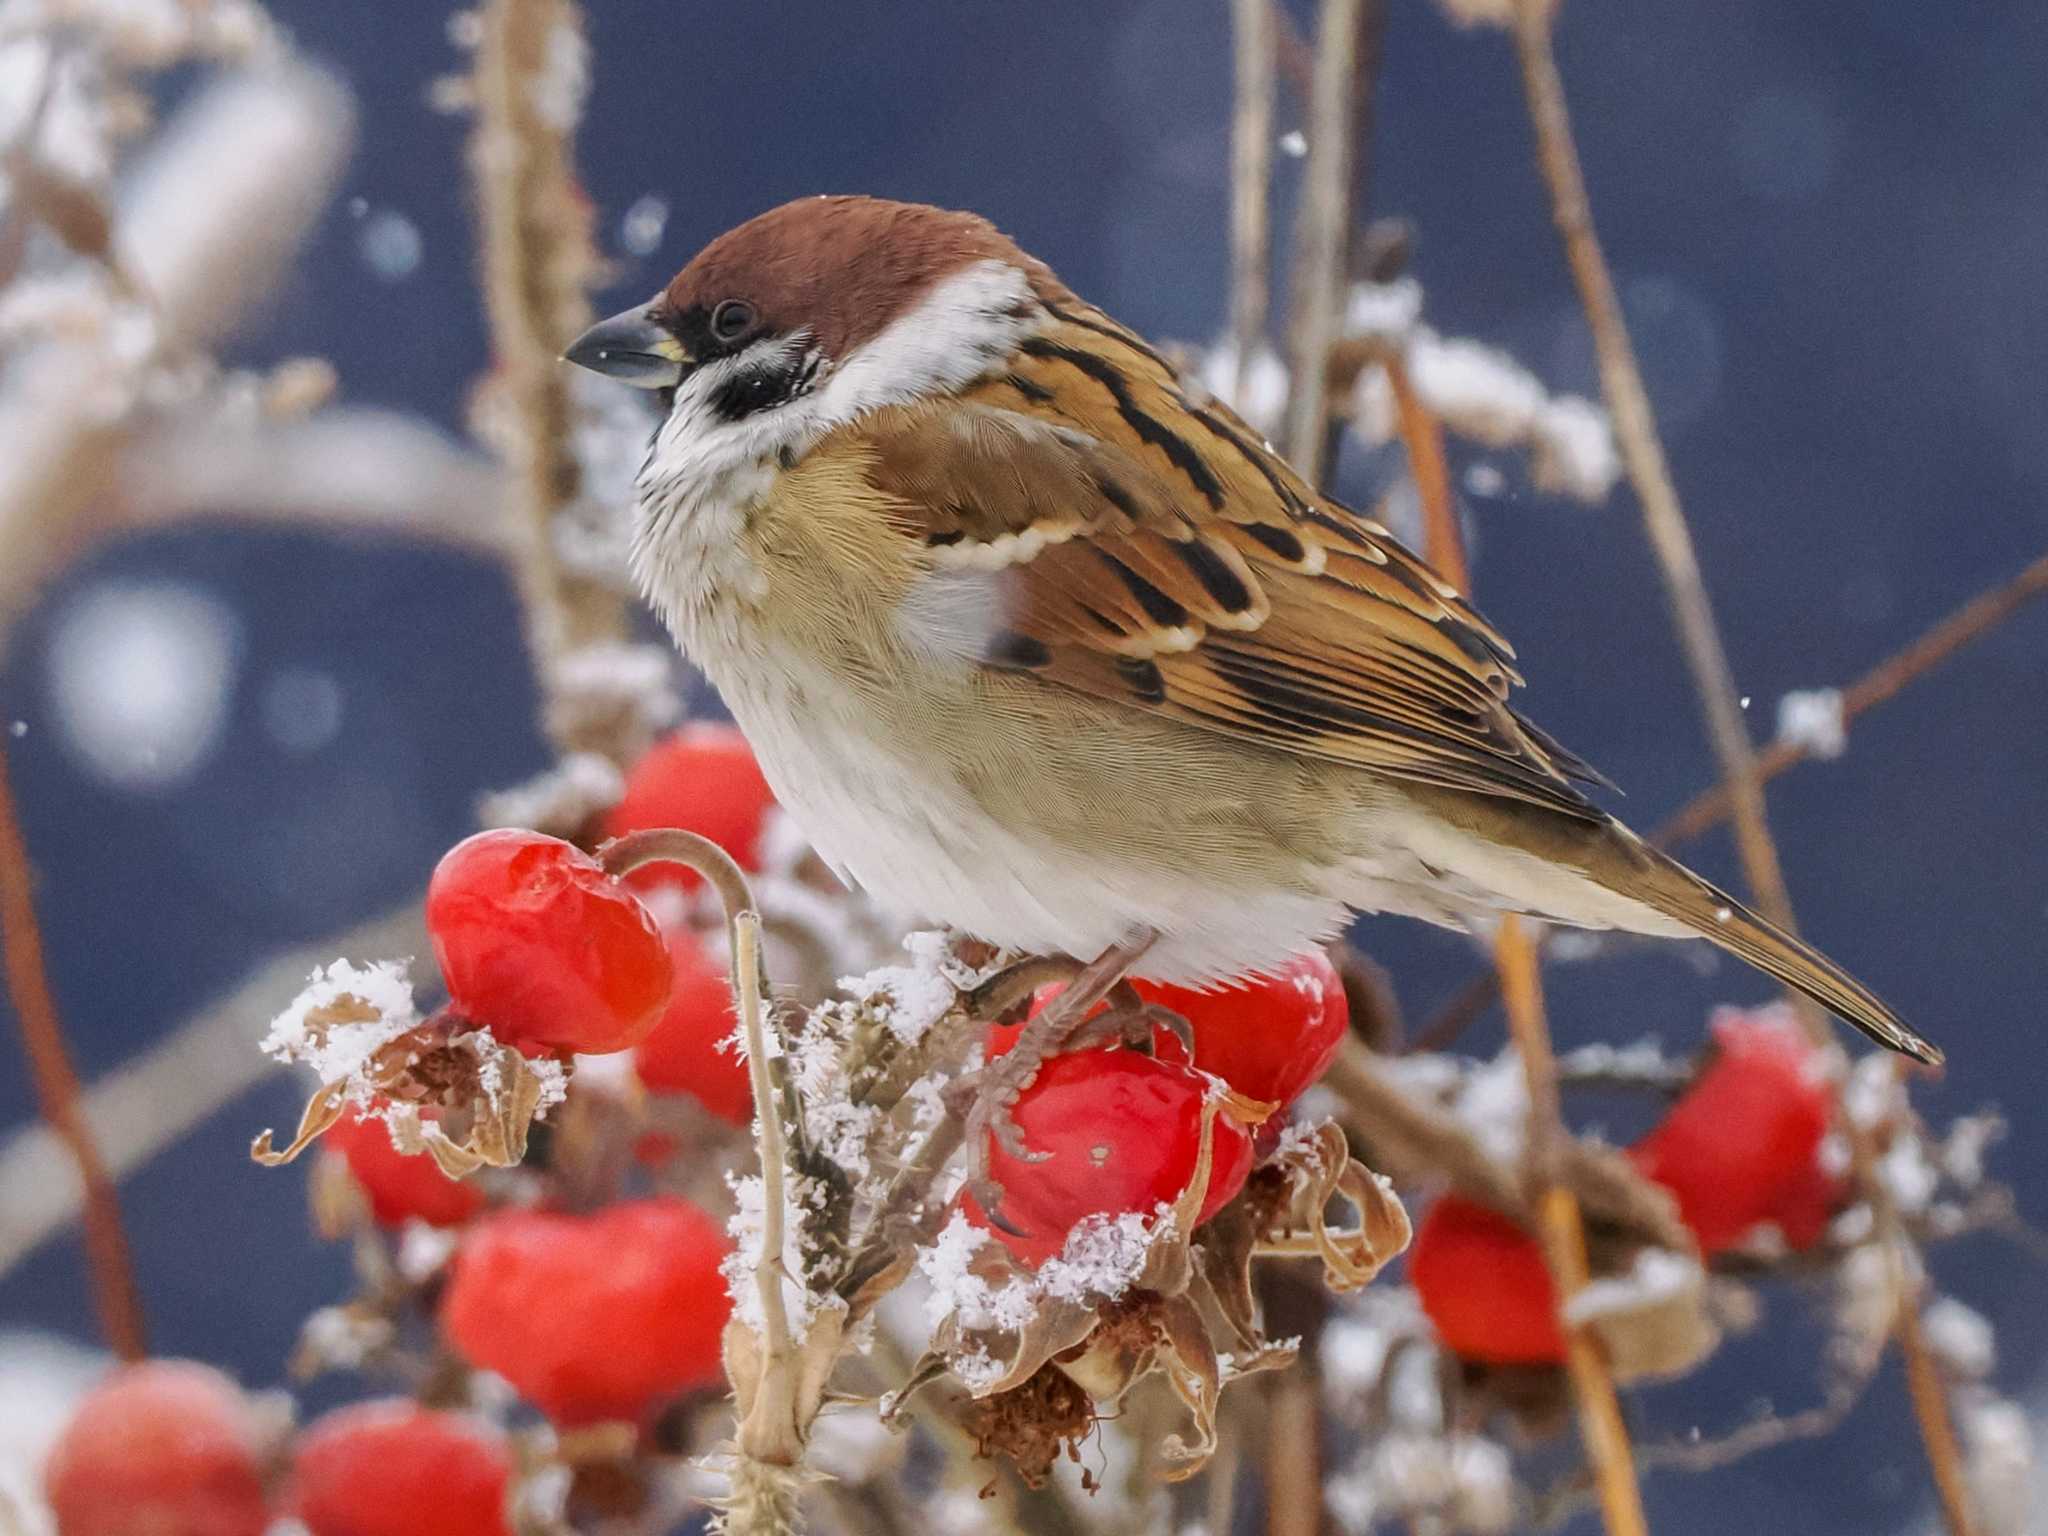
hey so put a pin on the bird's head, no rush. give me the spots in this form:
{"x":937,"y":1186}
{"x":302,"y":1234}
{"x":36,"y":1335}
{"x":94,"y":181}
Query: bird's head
{"x":808,"y":314}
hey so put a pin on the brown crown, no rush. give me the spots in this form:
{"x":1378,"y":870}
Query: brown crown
{"x":840,"y":267}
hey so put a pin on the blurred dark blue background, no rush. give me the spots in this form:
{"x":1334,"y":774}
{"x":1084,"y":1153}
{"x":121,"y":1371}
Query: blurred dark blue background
{"x":1829,"y":222}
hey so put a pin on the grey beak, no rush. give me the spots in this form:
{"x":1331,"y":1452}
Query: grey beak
{"x":632,"y":349}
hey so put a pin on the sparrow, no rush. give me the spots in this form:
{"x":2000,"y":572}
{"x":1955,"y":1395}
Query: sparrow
{"x":1033,"y":638}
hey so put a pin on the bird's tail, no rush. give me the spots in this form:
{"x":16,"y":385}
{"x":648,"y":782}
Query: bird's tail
{"x":1668,"y":887}
{"x":1598,"y":874}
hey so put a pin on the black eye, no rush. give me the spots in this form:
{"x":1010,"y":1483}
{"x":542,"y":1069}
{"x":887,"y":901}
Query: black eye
{"x":732,"y":319}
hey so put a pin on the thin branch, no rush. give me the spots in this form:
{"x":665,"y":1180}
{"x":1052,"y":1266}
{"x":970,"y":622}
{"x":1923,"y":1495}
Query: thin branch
{"x":1423,"y":437}
{"x":537,"y":263}
{"x":1975,"y":619}
{"x":1706,"y":810}
{"x":1564,"y":1237}
{"x":1293,"y":1459}
{"x":159,"y":1095}
{"x":771,"y":1433}
{"x":1256,"y":35}
{"x":207,"y":226}
{"x":1642,"y":454}
{"x":42,"y":1034}
{"x":1323,"y":233}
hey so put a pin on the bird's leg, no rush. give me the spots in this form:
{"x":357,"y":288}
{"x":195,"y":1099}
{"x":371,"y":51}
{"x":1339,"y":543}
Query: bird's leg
{"x":1130,"y":1021}
{"x":994,"y":1089}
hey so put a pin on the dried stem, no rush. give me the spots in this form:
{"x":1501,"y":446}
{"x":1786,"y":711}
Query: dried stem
{"x":57,"y":1091}
{"x":1975,"y":619}
{"x":771,"y":1432}
{"x":1546,"y":1168}
{"x":537,"y":263}
{"x":1642,"y":454}
{"x":1323,"y":234}
{"x":1423,"y":437}
{"x":1564,"y":1237}
{"x":1256,"y":33}
{"x":1294,"y":1480}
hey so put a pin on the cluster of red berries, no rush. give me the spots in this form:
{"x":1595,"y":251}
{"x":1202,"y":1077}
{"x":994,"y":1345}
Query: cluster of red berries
{"x":591,"y":1317}
{"x":1121,"y":1131}
{"x":174,"y":1448}
{"x":1740,"y":1148}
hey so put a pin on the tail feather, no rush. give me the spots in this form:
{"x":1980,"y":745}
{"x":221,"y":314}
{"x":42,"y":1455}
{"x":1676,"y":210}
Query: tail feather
{"x":1670,"y":888}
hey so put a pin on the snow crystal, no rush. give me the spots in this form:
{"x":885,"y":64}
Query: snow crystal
{"x":1484,"y":480}
{"x":1467,"y":1481}
{"x":1962,"y":1150}
{"x":423,"y":1251}
{"x":1812,"y":720}
{"x":641,"y":229}
{"x":1104,"y":1255}
{"x":1383,"y":311}
{"x":919,"y":993}
{"x":336,"y":1051}
{"x":1656,"y":1277}
{"x":1478,"y":390}
{"x":1265,"y":383}
{"x":563,"y":80}
{"x":1909,"y":1174}
{"x":141,"y":675}
{"x":1961,"y":1339}
{"x":1999,"y":1463}
{"x":560,"y":800}
{"x":1574,"y":452}
{"x":745,"y":1227}
{"x":1493,"y":1104}
{"x":390,"y":245}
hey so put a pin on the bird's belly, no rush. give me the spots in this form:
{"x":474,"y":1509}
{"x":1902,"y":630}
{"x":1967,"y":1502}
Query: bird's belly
{"x":906,"y":827}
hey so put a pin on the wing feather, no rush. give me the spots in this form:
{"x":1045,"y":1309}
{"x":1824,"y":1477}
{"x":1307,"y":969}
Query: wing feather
{"x":1154,"y":551}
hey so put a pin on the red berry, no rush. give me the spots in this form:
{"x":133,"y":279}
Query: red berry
{"x":164,"y":1448}
{"x":1484,"y":1284}
{"x":542,"y":947}
{"x":702,"y":778}
{"x":1269,"y":1037}
{"x":1743,"y":1139}
{"x":400,"y":1186}
{"x":393,"y":1468}
{"x":1124,"y":1132}
{"x":592,"y":1317}
{"x":682,"y":1054}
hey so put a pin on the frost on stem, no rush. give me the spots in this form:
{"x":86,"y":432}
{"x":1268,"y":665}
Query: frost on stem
{"x":359,"y":1029}
{"x":1478,"y":392}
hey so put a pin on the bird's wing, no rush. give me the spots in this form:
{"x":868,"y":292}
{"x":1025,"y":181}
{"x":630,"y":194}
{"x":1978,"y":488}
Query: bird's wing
{"x":1144,"y":548}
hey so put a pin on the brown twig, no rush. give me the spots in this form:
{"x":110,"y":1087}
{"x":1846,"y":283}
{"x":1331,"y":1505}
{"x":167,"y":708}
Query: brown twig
{"x":1564,"y":1237}
{"x":1642,"y":455}
{"x":1706,"y":810}
{"x":538,"y":261}
{"x":1293,"y":1459}
{"x":1323,"y":232}
{"x":1975,"y":619}
{"x":57,"y":1091}
{"x":1255,"y":32}
{"x":1423,"y":437}
{"x":1546,"y":1164}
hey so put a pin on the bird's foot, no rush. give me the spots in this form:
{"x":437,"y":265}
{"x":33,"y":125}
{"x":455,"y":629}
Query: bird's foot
{"x":986,"y":1097}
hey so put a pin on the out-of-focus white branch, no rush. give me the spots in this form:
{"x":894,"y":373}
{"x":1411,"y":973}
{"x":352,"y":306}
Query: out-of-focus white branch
{"x":204,"y":227}
{"x":370,"y":470}
{"x":159,"y":1095}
